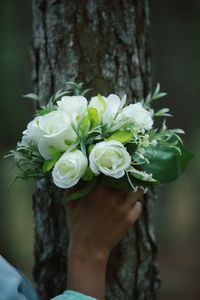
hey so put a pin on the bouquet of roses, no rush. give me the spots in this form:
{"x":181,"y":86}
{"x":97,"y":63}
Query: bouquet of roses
{"x":76,"y":142}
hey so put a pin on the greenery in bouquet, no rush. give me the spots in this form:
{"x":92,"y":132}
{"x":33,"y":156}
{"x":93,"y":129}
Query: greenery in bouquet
{"x":76,"y":142}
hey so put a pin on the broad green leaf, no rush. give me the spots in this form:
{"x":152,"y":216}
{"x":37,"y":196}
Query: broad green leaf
{"x":131,"y":147}
{"x":102,"y":101}
{"x":166,"y":163}
{"x":83,"y":191}
{"x":120,"y":136}
{"x":93,"y":116}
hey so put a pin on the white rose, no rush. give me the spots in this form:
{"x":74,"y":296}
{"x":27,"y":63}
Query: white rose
{"x":52,"y":129}
{"x":69,"y":169}
{"x":73,"y":106}
{"x":107,"y":107}
{"x":110,"y":158}
{"x":33,"y":132}
{"x":137,"y":115}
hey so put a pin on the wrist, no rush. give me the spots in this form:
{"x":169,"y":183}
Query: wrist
{"x":88,"y":253}
{"x":86,"y":270}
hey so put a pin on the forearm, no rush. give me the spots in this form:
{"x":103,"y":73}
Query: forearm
{"x":86,"y":272}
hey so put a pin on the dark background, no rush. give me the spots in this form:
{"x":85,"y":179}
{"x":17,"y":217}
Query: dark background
{"x":175,"y":35}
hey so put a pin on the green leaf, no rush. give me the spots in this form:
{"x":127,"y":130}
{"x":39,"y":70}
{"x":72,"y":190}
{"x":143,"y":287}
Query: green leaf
{"x":159,"y":95}
{"x":119,"y":184}
{"x":77,"y":88}
{"x":44,"y":111}
{"x":179,"y":131}
{"x":164,"y":112}
{"x":141,"y":175}
{"x":68,"y":143}
{"x":85,"y":92}
{"x":102,"y":101}
{"x":93,"y":116}
{"x":121,"y":136}
{"x":137,"y":182}
{"x":59,"y":94}
{"x":131,"y":147}
{"x":156,"y":95}
{"x":32,"y":96}
{"x":123,"y":183}
{"x":49,"y":164}
{"x":84,"y":123}
{"x":90,"y":147}
{"x":166,"y":164}
{"x":86,"y":189}
{"x":88,"y":176}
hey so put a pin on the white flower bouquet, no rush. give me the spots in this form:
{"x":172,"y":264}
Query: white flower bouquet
{"x":76,"y":142}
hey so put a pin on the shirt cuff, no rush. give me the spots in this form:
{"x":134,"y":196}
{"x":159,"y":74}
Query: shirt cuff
{"x":72,"y":295}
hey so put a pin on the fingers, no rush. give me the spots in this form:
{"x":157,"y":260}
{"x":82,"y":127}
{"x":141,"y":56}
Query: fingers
{"x":104,"y":192}
{"x":132,"y":198}
{"x":135,"y":212}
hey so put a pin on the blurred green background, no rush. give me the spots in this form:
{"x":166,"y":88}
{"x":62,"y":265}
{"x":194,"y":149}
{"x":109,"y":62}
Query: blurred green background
{"x":175,"y":35}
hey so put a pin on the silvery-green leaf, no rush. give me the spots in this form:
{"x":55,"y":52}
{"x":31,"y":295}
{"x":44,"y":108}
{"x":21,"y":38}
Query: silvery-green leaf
{"x":162,"y":113}
{"x":32,"y":96}
{"x":160,"y":95}
{"x":123,"y":101}
{"x":141,"y":175}
{"x":179,"y":131}
{"x":157,"y":90}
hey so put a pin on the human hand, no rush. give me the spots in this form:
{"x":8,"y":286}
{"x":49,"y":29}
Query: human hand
{"x":96,"y":224}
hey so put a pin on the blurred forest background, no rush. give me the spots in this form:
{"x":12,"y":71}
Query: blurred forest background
{"x":175,"y":35}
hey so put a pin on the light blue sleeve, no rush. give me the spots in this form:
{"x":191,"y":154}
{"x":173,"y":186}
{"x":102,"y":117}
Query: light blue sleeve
{"x":13,"y":285}
{"x":72,"y":295}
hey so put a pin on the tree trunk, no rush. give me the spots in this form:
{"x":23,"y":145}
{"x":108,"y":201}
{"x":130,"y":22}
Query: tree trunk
{"x":104,"y":44}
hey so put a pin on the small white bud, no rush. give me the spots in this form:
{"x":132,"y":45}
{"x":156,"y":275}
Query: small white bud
{"x":141,"y":150}
{"x":154,"y":143}
{"x":146,"y":143}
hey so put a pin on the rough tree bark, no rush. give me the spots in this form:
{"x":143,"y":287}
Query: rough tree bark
{"x":105,"y":44}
